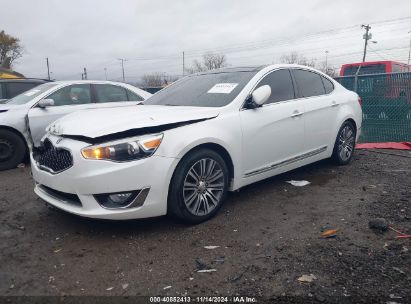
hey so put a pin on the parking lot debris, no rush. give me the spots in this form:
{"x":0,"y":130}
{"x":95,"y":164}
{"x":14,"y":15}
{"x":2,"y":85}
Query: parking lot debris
{"x":207,"y":270}
{"x":399,"y":270}
{"x":300,"y":183}
{"x":307,"y":278}
{"x":124,"y":286}
{"x":378,"y":224}
{"x":400,"y":235}
{"x":211,"y":247}
{"x":167,"y":287}
{"x":330,"y":233}
{"x":22,"y":165}
{"x":110,"y":288}
{"x":201,"y":264}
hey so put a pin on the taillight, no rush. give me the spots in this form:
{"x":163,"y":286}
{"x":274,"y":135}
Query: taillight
{"x":360,"y":101}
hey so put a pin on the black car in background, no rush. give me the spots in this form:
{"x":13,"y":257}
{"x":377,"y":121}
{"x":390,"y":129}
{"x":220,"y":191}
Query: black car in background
{"x":13,"y":87}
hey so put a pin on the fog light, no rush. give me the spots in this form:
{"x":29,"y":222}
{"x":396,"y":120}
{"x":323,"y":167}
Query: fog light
{"x":116,"y":200}
{"x":120,"y":198}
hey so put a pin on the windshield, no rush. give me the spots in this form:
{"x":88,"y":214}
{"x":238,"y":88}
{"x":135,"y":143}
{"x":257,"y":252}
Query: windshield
{"x":203,"y":90}
{"x":25,"y":97}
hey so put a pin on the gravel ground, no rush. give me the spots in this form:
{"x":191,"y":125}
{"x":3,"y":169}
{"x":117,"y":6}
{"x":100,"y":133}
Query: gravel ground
{"x":268,"y":236}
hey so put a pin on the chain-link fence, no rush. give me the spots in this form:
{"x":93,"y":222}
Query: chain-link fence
{"x":386,"y":104}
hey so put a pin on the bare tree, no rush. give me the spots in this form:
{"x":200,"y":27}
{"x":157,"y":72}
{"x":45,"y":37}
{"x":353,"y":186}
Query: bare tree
{"x":210,"y":61}
{"x":10,"y":49}
{"x":327,"y":69}
{"x":157,"y":80}
{"x":153,"y":80}
{"x":295,"y":58}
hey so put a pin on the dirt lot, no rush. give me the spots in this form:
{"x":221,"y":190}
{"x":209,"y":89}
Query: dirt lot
{"x":268,"y":233}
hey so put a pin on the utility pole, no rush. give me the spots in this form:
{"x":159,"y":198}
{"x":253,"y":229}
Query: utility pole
{"x":122,"y":67}
{"x":184,"y":68}
{"x":85,"y":74}
{"x":326,"y":62}
{"x":105,"y":72}
{"x":367,"y":36}
{"x":48,"y":67}
{"x":409,"y":53}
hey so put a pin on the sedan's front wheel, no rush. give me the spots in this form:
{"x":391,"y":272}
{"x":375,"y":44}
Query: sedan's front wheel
{"x":198,"y":187}
{"x":12,"y":150}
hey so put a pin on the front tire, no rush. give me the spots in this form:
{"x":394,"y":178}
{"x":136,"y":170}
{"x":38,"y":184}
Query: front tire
{"x":198,"y":187}
{"x":344,"y":144}
{"x":12,"y":150}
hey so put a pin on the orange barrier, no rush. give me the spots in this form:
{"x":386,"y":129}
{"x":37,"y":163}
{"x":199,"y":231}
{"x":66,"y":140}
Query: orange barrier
{"x":385,"y":145}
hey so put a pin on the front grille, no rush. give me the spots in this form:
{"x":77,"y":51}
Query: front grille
{"x":52,"y":159}
{"x":69,"y":198}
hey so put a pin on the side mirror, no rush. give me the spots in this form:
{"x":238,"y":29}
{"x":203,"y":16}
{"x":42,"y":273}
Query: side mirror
{"x":261,"y":95}
{"x":44,"y":103}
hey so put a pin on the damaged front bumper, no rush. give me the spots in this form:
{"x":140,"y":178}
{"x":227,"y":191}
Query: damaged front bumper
{"x":79,"y":188}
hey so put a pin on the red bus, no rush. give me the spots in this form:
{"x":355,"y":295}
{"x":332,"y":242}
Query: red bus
{"x":374,"y":67}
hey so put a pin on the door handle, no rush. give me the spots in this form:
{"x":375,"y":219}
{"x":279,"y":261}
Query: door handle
{"x":296,"y":113}
{"x":334,"y":104}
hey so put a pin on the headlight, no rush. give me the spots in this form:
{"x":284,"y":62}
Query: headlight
{"x":125,"y":150}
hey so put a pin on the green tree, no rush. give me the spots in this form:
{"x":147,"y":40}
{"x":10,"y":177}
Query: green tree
{"x":10,"y":49}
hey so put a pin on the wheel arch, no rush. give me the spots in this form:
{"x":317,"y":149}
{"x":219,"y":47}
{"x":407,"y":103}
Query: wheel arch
{"x":221,"y":150}
{"x":353,"y":122}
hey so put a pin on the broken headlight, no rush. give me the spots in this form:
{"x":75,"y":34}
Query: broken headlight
{"x":124,"y":150}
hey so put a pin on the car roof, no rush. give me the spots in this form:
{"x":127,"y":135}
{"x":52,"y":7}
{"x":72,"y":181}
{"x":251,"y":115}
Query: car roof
{"x":31,"y":80}
{"x":256,"y":68}
{"x":90,"y":82}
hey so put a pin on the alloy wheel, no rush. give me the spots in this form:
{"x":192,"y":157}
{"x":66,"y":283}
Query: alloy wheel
{"x":346,"y":142}
{"x":203,"y":187}
{"x":6,"y":149}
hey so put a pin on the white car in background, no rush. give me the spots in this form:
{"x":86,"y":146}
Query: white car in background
{"x":24,"y":118}
{"x":193,"y":141}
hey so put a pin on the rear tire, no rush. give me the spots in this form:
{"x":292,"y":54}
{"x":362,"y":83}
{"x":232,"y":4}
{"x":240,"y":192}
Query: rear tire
{"x":12,"y":150}
{"x":344,"y":144}
{"x":198,"y":187}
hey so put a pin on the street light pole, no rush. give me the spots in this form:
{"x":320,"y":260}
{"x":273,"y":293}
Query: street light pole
{"x":105,"y":72}
{"x":48,"y":67}
{"x":409,"y":52}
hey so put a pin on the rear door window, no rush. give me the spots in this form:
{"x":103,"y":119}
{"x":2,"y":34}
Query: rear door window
{"x":133,"y":96}
{"x":309,"y":83}
{"x":328,"y":85}
{"x":110,"y":93}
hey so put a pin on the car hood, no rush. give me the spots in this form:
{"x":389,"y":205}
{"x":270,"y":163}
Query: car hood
{"x":6,"y":107}
{"x":97,"y":123}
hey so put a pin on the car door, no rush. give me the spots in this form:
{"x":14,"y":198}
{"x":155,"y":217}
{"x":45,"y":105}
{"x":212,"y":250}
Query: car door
{"x":273,"y":134}
{"x":66,"y":100}
{"x":108,"y":95}
{"x":320,"y":109}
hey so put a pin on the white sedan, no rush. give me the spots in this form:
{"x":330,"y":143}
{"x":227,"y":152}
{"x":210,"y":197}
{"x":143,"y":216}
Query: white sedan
{"x":24,"y":118}
{"x":190,"y":143}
